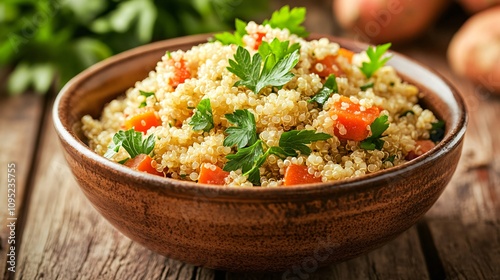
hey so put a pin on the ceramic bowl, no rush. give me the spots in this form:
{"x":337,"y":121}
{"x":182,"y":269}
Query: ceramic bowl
{"x":254,"y":229}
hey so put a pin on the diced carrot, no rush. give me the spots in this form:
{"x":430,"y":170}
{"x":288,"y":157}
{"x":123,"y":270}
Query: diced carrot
{"x":352,"y":123}
{"x":327,"y":66}
{"x":142,"y":121}
{"x":211,"y":175}
{"x":297,"y":174}
{"x":421,"y":147}
{"x":143,"y":162}
{"x":258,"y":39}
{"x":181,"y":73}
{"x":346,"y":53}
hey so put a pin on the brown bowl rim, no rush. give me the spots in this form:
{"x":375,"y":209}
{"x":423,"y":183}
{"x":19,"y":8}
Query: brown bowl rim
{"x":184,"y":188}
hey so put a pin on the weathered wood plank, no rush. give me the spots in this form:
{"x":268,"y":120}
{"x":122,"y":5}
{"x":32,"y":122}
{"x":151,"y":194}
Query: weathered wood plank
{"x":465,"y":221}
{"x":401,"y":258}
{"x":65,"y":238}
{"x":19,"y":124}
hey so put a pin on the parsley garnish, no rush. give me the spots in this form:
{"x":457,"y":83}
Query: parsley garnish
{"x":245,"y":133}
{"x":324,"y":93}
{"x":249,"y":69}
{"x":366,"y":86}
{"x":406,"y":113}
{"x":132,"y":141}
{"x":378,"y":127}
{"x":146,"y":94}
{"x":203,"y":117}
{"x":390,"y":159}
{"x":245,"y":158}
{"x":227,"y":38}
{"x":376,"y":59}
{"x":250,"y":159}
{"x":294,"y":141}
{"x":289,"y":19}
{"x":437,"y":131}
{"x":284,"y":18}
{"x":276,"y":51}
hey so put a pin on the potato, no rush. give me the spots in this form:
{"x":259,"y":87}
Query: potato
{"x":380,"y":21}
{"x":474,"y":6}
{"x":474,"y":51}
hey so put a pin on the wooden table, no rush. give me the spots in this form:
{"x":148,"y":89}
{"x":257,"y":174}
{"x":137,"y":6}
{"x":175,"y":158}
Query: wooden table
{"x":59,"y":235}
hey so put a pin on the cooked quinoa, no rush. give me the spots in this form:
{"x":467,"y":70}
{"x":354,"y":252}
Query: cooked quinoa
{"x":180,"y":151}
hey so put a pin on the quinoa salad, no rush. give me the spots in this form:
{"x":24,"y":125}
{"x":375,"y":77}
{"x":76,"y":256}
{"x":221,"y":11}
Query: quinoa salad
{"x":265,"y":107}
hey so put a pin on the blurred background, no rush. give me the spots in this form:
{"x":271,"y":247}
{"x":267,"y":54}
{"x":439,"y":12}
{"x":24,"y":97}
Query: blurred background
{"x":44,"y":43}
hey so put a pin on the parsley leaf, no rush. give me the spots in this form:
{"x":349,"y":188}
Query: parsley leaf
{"x":145,"y":94}
{"x":251,"y":158}
{"x":249,"y":69}
{"x":276,"y":51}
{"x":132,"y":141}
{"x":245,"y":133}
{"x":437,"y":131}
{"x":324,"y":93}
{"x":289,"y":19}
{"x":376,"y":59}
{"x":245,"y":158}
{"x":378,"y":127}
{"x":236,"y":38}
{"x":366,"y":86}
{"x":406,"y":113}
{"x":203,"y":117}
{"x":295,"y":140}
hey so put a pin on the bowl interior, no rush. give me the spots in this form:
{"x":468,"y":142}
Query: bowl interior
{"x":92,"y":89}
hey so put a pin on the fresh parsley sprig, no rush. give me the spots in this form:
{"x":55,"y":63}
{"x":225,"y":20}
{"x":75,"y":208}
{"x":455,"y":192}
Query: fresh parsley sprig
{"x":324,"y":93}
{"x":203,"y":116}
{"x":377,"y":59}
{"x":245,"y":133}
{"x":283,"y":18}
{"x":227,"y":38}
{"x":294,"y":141}
{"x":289,"y":19}
{"x":250,"y":158}
{"x":132,"y":141}
{"x":378,"y":127}
{"x":254,"y":76}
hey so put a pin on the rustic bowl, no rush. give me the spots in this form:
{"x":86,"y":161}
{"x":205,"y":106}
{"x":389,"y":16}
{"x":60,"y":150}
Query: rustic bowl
{"x":254,"y":229}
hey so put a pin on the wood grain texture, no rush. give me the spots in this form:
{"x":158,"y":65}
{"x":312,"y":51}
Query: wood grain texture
{"x":65,"y":238}
{"x":465,"y":221}
{"x":19,"y":123}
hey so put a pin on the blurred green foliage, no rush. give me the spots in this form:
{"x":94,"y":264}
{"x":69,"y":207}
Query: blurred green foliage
{"x":46,"y":41}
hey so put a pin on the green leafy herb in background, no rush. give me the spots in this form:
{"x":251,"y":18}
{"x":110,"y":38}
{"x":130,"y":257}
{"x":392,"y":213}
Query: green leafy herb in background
{"x":47,"y":42}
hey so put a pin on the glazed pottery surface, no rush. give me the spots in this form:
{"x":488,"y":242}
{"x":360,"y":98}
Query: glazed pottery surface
{"x":254,"y":229}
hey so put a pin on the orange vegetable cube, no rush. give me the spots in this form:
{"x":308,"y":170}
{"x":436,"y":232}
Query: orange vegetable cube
{"x":352,"y":122}
{"x":421,"y":147}
{"x":346,"y":53}
{"x":181,"y":73}
{"x":143,"y":163}
{"x":143,"y":121}
{"x":297,"y":174}
{"x":327,"y":66}
{"x":211,"y":174}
